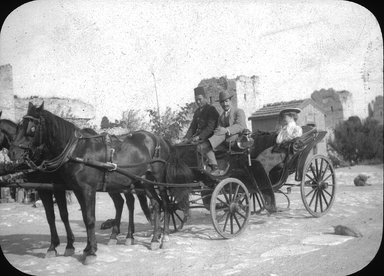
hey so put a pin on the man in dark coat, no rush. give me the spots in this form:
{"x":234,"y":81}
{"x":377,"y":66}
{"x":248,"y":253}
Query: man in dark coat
{"x":204,"y":119}
{"x":230,"y":124}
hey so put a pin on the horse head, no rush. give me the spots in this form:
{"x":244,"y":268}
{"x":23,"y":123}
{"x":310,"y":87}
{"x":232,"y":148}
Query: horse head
{"x":29,"y":135}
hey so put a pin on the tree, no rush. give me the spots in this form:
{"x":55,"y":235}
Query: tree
{"x":171,"y":124}
{"x":131,"y":120}
{"x":355,"y":140}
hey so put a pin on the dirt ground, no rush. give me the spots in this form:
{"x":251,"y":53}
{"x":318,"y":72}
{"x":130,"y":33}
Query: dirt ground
{"x":286,"y":243}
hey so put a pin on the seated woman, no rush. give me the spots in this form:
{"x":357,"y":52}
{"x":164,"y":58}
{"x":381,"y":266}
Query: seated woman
{"x":273,"y":155}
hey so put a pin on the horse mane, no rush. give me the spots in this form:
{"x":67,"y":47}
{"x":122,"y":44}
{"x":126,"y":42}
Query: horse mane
{"x":56,"y":130}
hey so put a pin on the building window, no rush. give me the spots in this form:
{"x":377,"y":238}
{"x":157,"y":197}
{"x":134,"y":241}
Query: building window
{"x":332,"y":108}
{"x":245,"y":97}
{"x":210,"y":100}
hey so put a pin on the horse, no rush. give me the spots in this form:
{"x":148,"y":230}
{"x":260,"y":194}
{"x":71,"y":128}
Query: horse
{"x":7,"y":132}
{"x":77,"y":159}
{"x":46,"y":197}
{"x":118,"y":202}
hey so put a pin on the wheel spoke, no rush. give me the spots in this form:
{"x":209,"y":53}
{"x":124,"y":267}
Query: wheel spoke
{"x":325,"y":170}
{"x":222,"y":201}
{"x":310,"y":193}
{"x":226,"y":221}
{"x":178,"y":216}
{"x":230,"y":192}
{"x":231,"y":218}
{"x":225,"y":213}
{"x":317,"y":169}
{"x":317,"y":197}
{"x":310,"y":178}
{"x":173,"y":220}
{"x":313,"y":196}
{"x":313,"y":172}
{"x":241,"y":214}
{"x":237,"y":221}
{"x":321,"y":168}
{"x":226,"y":198}
{"x":327,"y":177}
{"x":236,"y":192}
{"x":320,"y":200}
{"x":325,"y":200}
{"x":328,"y":193}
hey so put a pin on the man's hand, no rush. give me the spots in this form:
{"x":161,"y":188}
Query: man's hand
{"x":221,"y":131}
{"x":195,"y":139}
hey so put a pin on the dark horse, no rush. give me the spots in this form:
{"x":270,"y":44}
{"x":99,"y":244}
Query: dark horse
{"x":71,"y":148}
{"x":7,"y":132}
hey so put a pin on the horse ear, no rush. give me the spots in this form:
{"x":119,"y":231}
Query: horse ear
{"x":30,"y":105}
{"x":1,"y":112}
{"x":41,"y":107}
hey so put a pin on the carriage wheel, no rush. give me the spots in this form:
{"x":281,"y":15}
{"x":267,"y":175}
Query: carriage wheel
{"x":318,"y":185}
{"x":177,"y":217}
{"x":230,"y":209}
{"x":257,"y":201}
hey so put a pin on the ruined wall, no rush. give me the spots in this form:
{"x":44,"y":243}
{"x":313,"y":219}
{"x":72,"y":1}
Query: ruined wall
{"x":6,"y":93}
{"x":338,"y":106}
{"x":245,"y":91}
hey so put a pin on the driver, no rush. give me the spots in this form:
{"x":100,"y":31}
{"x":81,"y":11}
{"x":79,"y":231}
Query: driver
{"x":204,"y":119}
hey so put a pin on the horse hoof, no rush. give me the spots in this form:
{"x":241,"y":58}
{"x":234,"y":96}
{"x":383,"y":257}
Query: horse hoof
{"x":51,"y":254}
{"x":90,"y":259}
{"x":69,"y":252}
{"x":129,"y":241}
{"x":112,"y":242}
{"x":155,"y":245}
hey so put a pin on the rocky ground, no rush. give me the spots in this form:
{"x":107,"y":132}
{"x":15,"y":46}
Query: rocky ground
{"x":285,"y":243}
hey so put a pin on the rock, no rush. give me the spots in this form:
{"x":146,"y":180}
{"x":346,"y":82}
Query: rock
{"x":361,"y":180}
{"x":347,"y":231}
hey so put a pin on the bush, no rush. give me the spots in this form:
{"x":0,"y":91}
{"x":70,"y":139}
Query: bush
{"x":356,"y":141}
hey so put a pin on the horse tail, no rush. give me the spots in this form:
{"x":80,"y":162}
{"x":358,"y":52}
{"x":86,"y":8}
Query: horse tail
{"x":178,"y":172}
{"x":144,"y":206}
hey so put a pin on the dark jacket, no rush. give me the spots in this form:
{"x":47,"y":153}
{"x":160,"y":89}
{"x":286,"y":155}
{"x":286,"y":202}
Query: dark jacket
{"x":203,"y":123}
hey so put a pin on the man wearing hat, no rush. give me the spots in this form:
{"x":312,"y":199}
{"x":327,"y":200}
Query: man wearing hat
{"x":230,"y":123}
{"x":204,"y":119}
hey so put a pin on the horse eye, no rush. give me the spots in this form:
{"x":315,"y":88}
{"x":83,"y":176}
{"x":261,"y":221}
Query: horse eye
{"x":33,"y":129}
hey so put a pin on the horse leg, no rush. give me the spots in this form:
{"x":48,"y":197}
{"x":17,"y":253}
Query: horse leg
{"x":165,"y":201}
{"x":118,"y":201}
{"x":46,"y":198}
{"x":130,"y":201}
{"x":144,"y":205}
{"x":87,"y":197}
{"x":155,"y":201}
{"x":61,"y":200}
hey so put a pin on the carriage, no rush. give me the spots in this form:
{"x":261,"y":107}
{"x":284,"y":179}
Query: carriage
{"x":240,"y":189}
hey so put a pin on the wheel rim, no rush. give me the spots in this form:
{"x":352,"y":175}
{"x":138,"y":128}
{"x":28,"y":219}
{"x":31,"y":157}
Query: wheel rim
{"x":230,"y":208}
{"x":318,"y":186}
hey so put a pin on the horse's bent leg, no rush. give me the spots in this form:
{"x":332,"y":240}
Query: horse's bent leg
{"x":62,"y":204}
{"x":46,"y":198}
{"x":130,"y":200}
{"x":118,"y":201}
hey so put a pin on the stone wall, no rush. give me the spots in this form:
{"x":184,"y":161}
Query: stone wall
{"x":245,"y":91}
{"x":6,"y":92}
{"x":338,"y":105}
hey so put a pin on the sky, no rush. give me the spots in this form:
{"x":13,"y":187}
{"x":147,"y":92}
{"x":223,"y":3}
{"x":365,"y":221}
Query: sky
{"x":115,"y":55}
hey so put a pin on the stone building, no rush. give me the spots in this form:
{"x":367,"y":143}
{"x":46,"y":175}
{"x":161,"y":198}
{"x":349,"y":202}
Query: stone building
{"x":267,"y":118}
{"x":6,"y":92}
{"x":375,"y":109}
{"x":245,"y":91}
{"x":338,"y":105}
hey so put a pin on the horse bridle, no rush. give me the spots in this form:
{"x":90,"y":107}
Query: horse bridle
{"x":29,"y":148}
